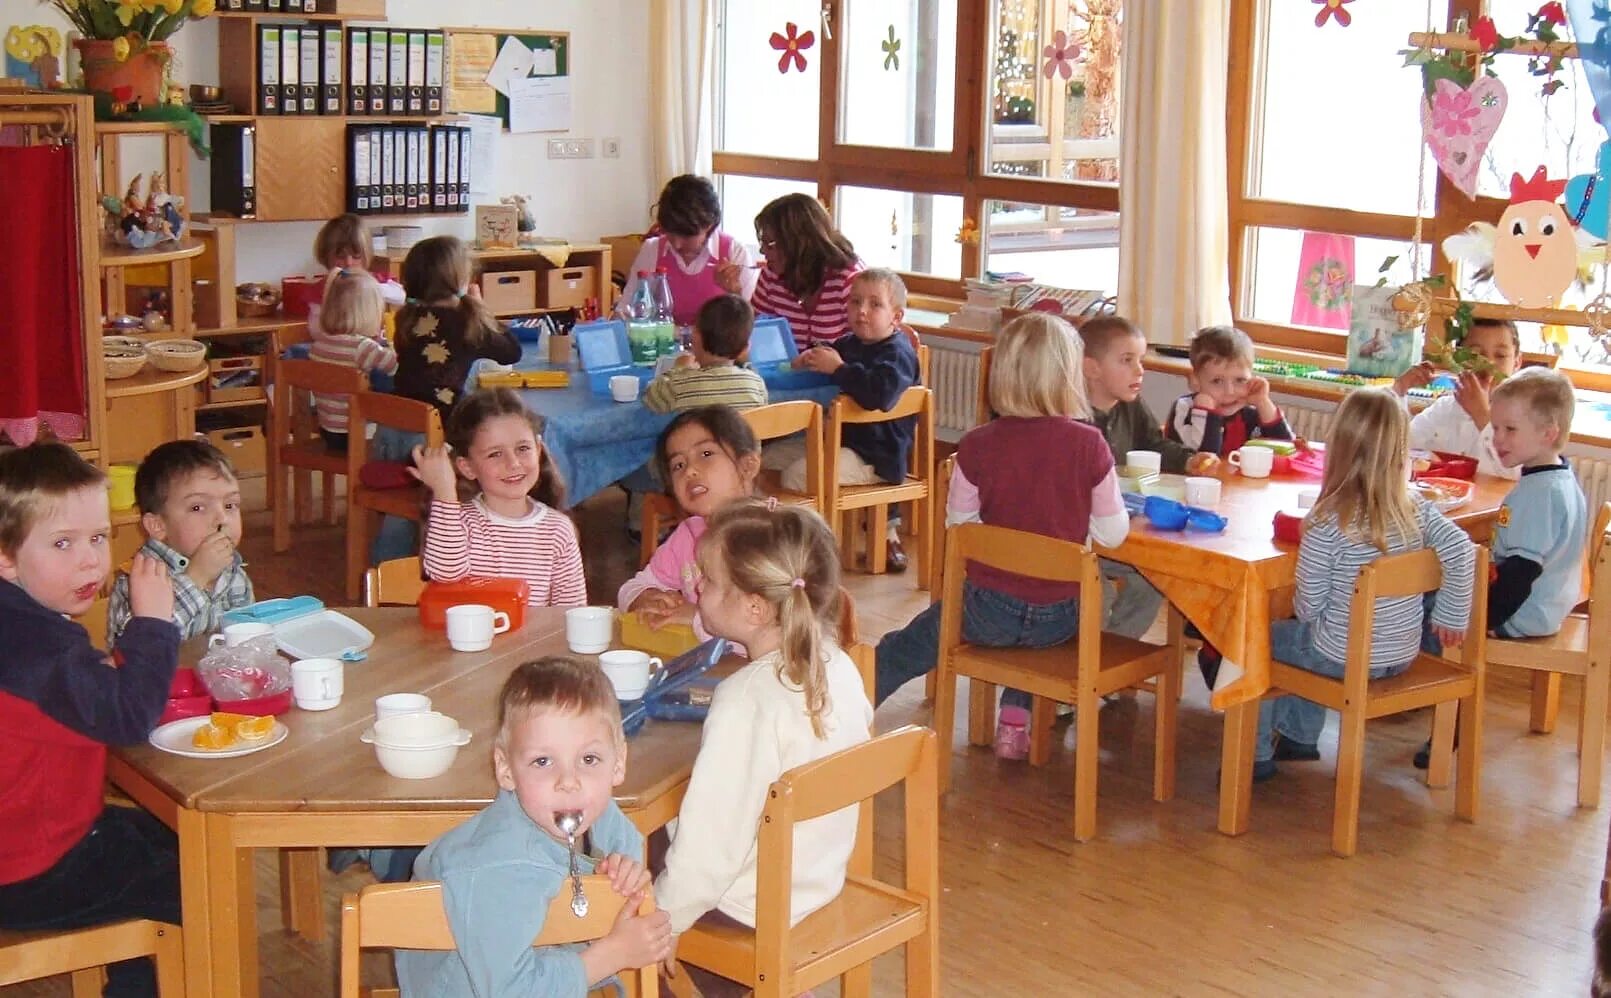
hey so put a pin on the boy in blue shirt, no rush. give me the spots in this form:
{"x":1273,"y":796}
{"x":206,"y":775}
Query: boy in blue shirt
{"x":559,"y":748}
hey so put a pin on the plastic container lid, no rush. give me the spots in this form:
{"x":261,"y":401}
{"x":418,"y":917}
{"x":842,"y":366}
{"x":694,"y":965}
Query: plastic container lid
{"x":327,"y":634}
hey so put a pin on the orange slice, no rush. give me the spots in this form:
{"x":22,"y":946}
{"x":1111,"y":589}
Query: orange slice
{"x":254,"y":729}
{"x":212,"y":736}
{"x":224,"y":719}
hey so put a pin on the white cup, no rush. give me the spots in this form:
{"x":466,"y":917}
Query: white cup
{"x":234,"y":635}
{"x":316,"y":683}
{"x":588,"y":629}
{"x":1151,"y":460}
{"x":470,"y":626}
{"x":1253,"y":462}
{"x":398,"y":704}
{"x":624,"y":387}
{"x":1307,"y":498}
{"x":1202,"y":491}
{"x":629,"y":672}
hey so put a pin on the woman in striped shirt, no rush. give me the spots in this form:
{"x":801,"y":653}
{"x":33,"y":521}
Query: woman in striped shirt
{"x":1365,"y":511}
{"x":808,"y":269}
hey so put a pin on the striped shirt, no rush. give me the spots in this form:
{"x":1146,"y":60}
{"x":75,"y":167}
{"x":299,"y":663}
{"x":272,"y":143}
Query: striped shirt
{"x":362,"y":352}
{"x":196,"y":611}
{"x":827,"y":318}
{"x":467,"y":539}
{"x":692,"y":387}
{"x":1329,"y":563}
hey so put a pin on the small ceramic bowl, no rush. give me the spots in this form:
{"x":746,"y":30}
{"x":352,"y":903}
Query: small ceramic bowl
{"x":416,"y":746}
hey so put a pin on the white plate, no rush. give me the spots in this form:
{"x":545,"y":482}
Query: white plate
{"x":175,"y":737}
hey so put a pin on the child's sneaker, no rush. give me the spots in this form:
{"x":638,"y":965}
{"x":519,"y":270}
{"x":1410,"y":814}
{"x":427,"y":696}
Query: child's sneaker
{"x":1012,"y":733}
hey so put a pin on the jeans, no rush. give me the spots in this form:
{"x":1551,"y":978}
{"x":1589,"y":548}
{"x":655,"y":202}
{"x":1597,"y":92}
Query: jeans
{"x":1294,"y":718}
{"x":1133,"y":607}
{"x":398,"y":537}
{"x":989,"y":618}
{"x":126,"y":867}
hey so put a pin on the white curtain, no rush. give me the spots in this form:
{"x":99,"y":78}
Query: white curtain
{"x":682,"y":38}
{"x":1173,"y":223}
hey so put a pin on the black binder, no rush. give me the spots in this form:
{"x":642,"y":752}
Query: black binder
{"x":377,"y":70}
{"x":439,"y":164}
{"x":358,"y":169}
{"x":464,"y":168}
{"x":254,"y":5}
{"x":397,"y":73}
{"x":311,"y":57}
{"x":391,"y":164}
{"x":290,"y":70}
{"x":411,"y":171}
{"x":268,"y":69}
{"x":332,"y":93}
{"x":375,"y":152}
{"x":416,"y":72}
{"x":435,"y":70}
{"x":357,"y":70}
{"x":234,"y":170}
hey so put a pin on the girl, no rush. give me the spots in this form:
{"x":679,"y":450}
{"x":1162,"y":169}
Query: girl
{"x":343,"y":244}
{"x":1365,"y":511}
{"x":444,"y":327}
{"x":808,"y":269}
{"x":709,"y":457}
{"x":701,"y":262}
{"x":1035,"y":468}
{"x":771,"y":582}
{"x":513,"y":527}
{"x":349,"y":334}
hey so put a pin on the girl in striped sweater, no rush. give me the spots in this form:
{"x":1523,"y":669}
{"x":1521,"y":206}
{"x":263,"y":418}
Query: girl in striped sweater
{"x":495,"y":502}
{"x":1365,"y":511}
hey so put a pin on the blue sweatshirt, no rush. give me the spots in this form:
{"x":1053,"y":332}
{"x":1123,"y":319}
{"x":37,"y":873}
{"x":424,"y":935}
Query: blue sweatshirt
{"x":875,"y":375}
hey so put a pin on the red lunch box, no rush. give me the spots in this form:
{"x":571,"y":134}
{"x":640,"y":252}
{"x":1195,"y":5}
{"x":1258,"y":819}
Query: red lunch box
{"x":508,"y":595}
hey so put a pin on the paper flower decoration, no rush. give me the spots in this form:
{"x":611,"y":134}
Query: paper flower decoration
{"x":1330,"y":9}
{"x":968,"y":235}
{"x":1485,"y":34}
{"x":1552,"y":12}
{"x":1060,"y":56}
{"x":792,"y":44}
{"x":892,"y":50}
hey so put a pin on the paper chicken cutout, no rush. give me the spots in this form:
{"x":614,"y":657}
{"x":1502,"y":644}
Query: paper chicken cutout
{"x":1535,"y":253}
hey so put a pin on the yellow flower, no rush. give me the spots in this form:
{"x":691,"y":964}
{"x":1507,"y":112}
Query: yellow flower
{"x":203,"y":8}
{"x":120,"y":49}
{"x":127,"y":11}
{"x":172,"y":6}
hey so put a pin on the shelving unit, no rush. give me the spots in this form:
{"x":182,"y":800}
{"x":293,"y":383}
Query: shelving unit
{"x":595,"y":255}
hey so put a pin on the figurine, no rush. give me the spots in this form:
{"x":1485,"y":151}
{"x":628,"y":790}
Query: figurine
{"x":47,"y":65}
{"x":527,"y":222}
{"x":176,"y":95}
{"x":143,"y":223}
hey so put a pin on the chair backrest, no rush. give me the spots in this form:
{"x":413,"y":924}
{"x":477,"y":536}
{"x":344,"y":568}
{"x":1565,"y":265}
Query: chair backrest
{"x":409,"y":415}
{"x":849,"y":630}
{"x":1412,"y":573}
{"x":984,"y":412}
{"x":782,"y":419}
{"x":915,"y":401}
{"x":942,"y":496}
{"x":398,"y":582}
{"x":294,"y":383}
{"x":411,"y":916}
{"x":1602,"y":523}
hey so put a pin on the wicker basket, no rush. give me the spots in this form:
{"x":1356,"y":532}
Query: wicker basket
{"x":177,"y":356}
{"x":256,"y":301}
{"x":122,"y":362}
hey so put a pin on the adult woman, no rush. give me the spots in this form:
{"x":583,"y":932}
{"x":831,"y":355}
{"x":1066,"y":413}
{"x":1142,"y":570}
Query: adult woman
{"x":808,"y":269}
{"x":700,"y":262}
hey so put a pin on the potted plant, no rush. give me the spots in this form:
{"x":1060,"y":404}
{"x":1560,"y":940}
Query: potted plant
{"x":124,"y":42}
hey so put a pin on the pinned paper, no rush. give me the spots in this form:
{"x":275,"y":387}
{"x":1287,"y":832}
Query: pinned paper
{"x":540,"y":104}
{"x":484,"y":132}
{"x":545,"y":62}
{"x":514,"y":62}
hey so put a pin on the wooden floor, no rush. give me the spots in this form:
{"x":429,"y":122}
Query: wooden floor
{"x":1160,"y":903}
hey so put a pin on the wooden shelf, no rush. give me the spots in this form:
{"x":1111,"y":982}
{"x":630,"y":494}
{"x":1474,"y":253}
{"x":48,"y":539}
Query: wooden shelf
{"x":243,"y":327}
{"x":233,"y":404}
{"x":499,"y":254}
{"x":114,"y":255}
{"x":378,"y":119}
{"x":150,"y":381}
{"x":297,"y":15}
{"x":135,"y":127}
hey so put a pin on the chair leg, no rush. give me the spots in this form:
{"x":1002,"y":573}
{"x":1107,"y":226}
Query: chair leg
{"x":944,"y":720}
{"x":282,"y":510}
{"x":1443,"y":725}
{"x":857,"y":982}
{"x":1350,"y":773}
{"x":1165,"y":708}
{"x":877,"y":539}
{"x":304,"y":496}
{"x":1468,"y":778}
{"x":327,"y":495}
{"x":1087,"y":705}
{"x":170,"y":961}
{"x":923,"y":540}
{"x":87,"y":983}
{"x":1042,"y":716}
{"x":649,"y":533}
{"x":1591,"y":733}
{"x":928,"y":687}
{"x":358,"y":521}
{"x":1546,"y":702}
{"x":301,"y":892}
{"x":923,"y":961}
{"x":981,"y":712}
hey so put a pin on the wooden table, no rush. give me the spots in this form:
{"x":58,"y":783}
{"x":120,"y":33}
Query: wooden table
{"x":322,"y":787}
{"x":1232,"y":584}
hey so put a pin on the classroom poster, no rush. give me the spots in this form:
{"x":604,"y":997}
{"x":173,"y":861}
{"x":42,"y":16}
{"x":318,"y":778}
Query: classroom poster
{"x":1325,"y":281}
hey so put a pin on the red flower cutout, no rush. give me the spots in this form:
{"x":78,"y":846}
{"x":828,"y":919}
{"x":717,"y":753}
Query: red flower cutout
{"x":1333,"y":8}
{"x":1552,"y":12}
{"x":792,"y":46}
{"x":1060,"y":56}
{"x":1485,"y":34}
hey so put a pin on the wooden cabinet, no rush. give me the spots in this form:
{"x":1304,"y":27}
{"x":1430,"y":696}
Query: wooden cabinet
{"x":301,"y":168}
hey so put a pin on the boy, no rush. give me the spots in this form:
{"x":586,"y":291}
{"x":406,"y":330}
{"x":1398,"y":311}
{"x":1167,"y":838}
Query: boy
{"x":559,"y":748}
{"x":712,"y":375}
{"x":1230,"y":405}
{"x":190,"y":509}
{"x":1460,"y":423}
{"x":1113,"y":351}
{"x":874,"y":364}
{"x":67,"y":860}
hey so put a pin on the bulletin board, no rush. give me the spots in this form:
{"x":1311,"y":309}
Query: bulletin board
{"x":470,"y":55}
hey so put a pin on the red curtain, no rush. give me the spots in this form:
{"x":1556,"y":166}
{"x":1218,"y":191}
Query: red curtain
{"x":41,"y":338}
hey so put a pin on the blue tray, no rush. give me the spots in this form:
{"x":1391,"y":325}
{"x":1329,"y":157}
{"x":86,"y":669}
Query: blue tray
{"x":679,"y":674}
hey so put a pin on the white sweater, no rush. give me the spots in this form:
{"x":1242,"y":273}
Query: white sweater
{"x":1444,"y":426}
{"x":757,"y":730}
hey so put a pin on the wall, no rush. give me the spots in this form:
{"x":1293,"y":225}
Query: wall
{"x":576,"y":199}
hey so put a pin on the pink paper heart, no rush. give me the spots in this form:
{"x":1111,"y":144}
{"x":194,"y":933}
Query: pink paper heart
{"x":1459,"y":122}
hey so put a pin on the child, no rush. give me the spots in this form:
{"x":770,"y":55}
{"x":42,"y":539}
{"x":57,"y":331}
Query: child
{"x":720,"y":339}
{"x":65,"y":859}
{"x":512,"y":529}
{"x":1229,"y":405}
{"x":709,"y":457}
{"x":349,"y":335}
{"x":190,"y":509}
{"x":770,"y":582}
{"x":444,"y":328}
{"x":1112,"y":367}
{"x":874,"y":364}
{"x":1038,"y":468}
{"x":559,"y":748}
{"x":1460,"y":423}
{"x":1365,"y":511}
{"x":343,"y":244}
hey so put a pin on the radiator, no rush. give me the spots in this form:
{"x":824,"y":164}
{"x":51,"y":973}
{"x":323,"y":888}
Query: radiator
{"x":1594,"y":474}
{"x":1311,"y":424}
{"x":954,"y":377}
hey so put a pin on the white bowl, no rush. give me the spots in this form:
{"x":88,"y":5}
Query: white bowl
{"x":427,"y":729}
{"x":416,"y":746}
{"x":418,"y":763}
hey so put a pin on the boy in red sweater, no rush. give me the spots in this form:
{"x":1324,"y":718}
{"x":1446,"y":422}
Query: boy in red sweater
{"x":66,"y":859}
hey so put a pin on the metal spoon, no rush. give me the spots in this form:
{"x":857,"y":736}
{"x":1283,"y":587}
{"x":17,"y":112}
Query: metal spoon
{"x":568,"y":822}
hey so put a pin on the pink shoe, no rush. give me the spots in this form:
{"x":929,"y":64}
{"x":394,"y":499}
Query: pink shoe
{"x":1012,"y":733}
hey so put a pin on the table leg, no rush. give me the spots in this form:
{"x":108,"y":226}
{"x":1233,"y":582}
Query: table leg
{"x":192,"y":831}
{"x":1236,"y":767}
{"x":301,"y":892}
{"x":232,"y":910}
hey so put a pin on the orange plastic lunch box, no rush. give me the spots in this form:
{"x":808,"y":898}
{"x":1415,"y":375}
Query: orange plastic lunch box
{"x":508,"y":595}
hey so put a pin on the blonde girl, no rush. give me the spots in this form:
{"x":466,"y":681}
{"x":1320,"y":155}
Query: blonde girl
{"x":444,"y":327}
{"x":349,"y":335}
{"x":1365,"y":511}
{"x":343,"y":243}
{"x":771,"y":582}
{"x":1035,"y":468}
{"x":495,"y":502}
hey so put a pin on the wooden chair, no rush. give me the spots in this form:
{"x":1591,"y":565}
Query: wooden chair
{"x":984,"y":413}
{"x":917,"y":489}
{"x":365,"y":505}
{"x":1079,"y":673}
{"x":1430,"y":681}
{"x":30,"y":956}
{"x":410,"y":916}
{"x":1582,"y":647}
{"x":297,"y":449}
{"x":397,"y":582}
{"x":870,"y":916}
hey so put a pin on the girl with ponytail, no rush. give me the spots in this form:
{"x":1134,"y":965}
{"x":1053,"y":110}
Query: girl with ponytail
{"x":769,"y":580}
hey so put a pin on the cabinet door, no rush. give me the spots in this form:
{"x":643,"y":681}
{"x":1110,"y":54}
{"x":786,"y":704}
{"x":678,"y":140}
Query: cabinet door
{"x":301,"y":168}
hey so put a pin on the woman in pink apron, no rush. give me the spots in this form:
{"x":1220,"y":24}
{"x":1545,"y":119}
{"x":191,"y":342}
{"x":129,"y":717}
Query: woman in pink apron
{"x":700,"y":261}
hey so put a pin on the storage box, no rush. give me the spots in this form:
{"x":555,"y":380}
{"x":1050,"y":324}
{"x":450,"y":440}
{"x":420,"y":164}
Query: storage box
{"x":299,"y":292}
{"x":509,"y":290}
{"x":245,"y":447}
{"x":570,"y":287}
{"x":603,"y":351}
{"x":496,"y":226}
{"x":508,"y":595}
{"x":772,"y":353}
{"x":235,"y":379}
